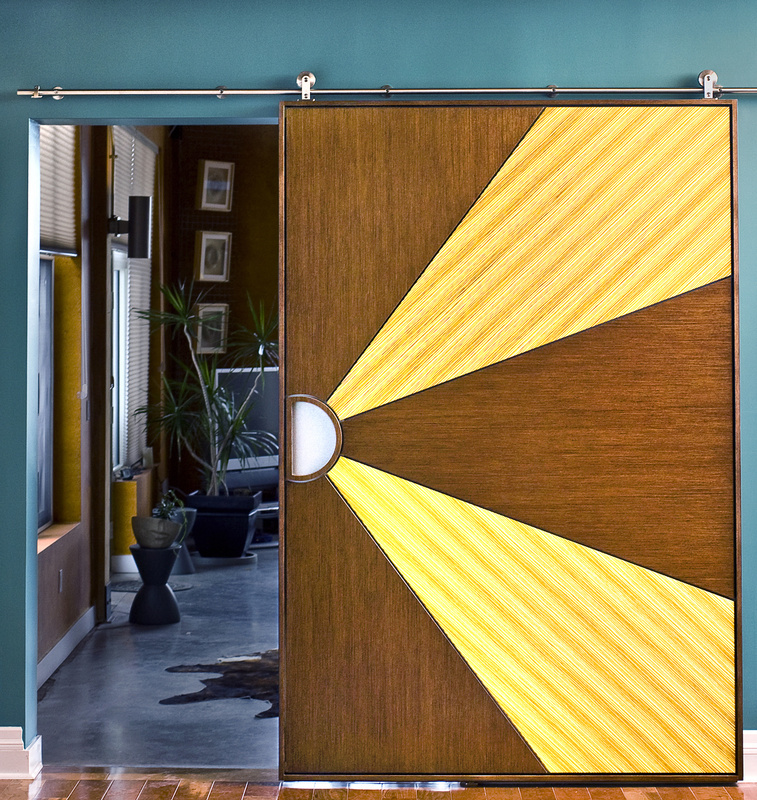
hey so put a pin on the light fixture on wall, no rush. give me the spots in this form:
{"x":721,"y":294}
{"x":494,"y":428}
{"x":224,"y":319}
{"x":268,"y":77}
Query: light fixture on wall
{"x":139,"y":225}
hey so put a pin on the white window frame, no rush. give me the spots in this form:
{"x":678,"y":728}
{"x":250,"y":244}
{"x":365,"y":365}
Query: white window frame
{"x":120,"y":314}
{"x":134,"y":175}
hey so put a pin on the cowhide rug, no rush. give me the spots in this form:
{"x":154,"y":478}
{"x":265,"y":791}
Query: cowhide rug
{"x":254,"y":677}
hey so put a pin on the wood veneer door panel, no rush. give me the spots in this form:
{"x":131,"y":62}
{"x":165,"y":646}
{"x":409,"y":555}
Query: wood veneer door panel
{"x":371,"y":196}
{"x":619,"y":438}
{"x":369,"y":201}
{"x":372,"y":686}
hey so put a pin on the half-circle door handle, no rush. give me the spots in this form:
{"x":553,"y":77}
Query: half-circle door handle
{"x":315,"y":438}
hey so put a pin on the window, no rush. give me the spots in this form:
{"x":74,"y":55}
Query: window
{"x":134,"y":174}
{"x":58,"y":235}
{"x":57,"y":213}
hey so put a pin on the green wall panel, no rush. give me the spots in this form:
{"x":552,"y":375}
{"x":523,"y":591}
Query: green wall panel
{"x":156,"y":43}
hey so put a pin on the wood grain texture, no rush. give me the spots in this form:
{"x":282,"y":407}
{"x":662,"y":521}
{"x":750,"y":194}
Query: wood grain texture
{"x":747,"y":791}
{"x":18,"y":789}
{"x":710,"y":793}
{"x":641,"y":793}
{"x":391,"y":791}
{"x":537,"y":793}
{"x":261,"y":790}
{"x":363,"y":791}
{"x":332,"y":793}
{"x":227,"y":790}
{"x":372,"y":686}
{"x":462,"y":792}
{"x":603,"y":666}
{"x":192,"y":790}
{"x":90,"y":790}
{"x":369,"y":201}
{"x":159,"y":790}
{"x":423,"y":187}
{"x":502,"y":793}
{"x":55,"y":789}
{"x":424,"y":793}
{"x":675,"y":792}
{"x":571,"y":793}
{"x":126,"y":790}
{"x":600,"y":211}
{"x":620,"y":438}
{"x":737,"y":438}
{"x":357,"y":315}
{"x":296,"y":793}
{"x":204,"y":780}
{"x":59,"y":610}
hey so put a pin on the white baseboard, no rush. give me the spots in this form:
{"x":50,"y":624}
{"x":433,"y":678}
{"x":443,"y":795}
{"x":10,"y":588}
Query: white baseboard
{"x":123,"y":564}
{"x":65,"y":646}
{"x":750,"y":756}
{"x":16,"y":761}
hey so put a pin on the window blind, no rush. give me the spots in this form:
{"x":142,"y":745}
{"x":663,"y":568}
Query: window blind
{"x":57,"y":156}
{"x":134,"y":174}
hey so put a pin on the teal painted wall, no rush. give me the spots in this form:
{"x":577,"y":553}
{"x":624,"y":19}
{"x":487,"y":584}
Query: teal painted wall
{"x":238,"y":43}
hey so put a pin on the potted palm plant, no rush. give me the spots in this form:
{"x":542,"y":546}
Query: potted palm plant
{"x":205,"y":421}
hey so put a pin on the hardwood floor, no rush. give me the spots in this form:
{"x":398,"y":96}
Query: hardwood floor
{"x":208,"y":785}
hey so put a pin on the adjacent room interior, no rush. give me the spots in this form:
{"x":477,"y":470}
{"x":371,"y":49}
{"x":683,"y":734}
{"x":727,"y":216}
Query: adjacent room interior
{"x":109,"y":446}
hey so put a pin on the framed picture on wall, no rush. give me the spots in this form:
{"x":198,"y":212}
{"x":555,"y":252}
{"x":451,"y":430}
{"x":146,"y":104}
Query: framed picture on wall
{"x":212,"y":255}
{"x":213,"y":327}
{"x":215,"y":183}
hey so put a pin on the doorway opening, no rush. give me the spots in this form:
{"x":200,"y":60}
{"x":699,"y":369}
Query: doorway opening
{"x":204,"y":691}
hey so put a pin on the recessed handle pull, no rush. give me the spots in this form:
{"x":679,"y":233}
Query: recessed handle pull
{"x":315,"y":438}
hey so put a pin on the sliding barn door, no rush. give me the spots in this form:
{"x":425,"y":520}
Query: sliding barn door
{"x":510,"y":509}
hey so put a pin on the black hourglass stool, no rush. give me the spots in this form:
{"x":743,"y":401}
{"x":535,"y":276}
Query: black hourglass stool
{"x":155,"y":603}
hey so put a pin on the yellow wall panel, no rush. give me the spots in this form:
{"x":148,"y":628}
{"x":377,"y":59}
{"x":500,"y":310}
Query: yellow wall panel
{"x":66,"y":387}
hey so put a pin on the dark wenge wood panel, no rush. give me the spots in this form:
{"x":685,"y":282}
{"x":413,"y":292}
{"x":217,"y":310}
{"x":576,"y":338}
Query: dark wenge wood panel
{"x":99,"y":324}
{"x":620,"y":438}
{"x":371,"y":685}
{"x":370,"y":198}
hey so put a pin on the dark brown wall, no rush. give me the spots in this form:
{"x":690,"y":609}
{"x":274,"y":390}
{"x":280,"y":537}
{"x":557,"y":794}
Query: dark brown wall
{"x":252,"y":221}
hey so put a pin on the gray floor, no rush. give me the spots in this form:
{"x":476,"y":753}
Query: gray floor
{"x":101,"y":707}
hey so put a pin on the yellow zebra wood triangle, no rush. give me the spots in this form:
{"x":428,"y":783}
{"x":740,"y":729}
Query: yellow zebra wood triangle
{"x":599,"y":211}
{"x":603,"y":666}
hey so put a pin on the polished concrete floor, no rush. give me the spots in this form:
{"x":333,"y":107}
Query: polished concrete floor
{"x":101,"y":707}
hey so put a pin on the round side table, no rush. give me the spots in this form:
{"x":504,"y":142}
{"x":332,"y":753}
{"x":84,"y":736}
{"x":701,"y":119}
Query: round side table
{"x":155,"y":603}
